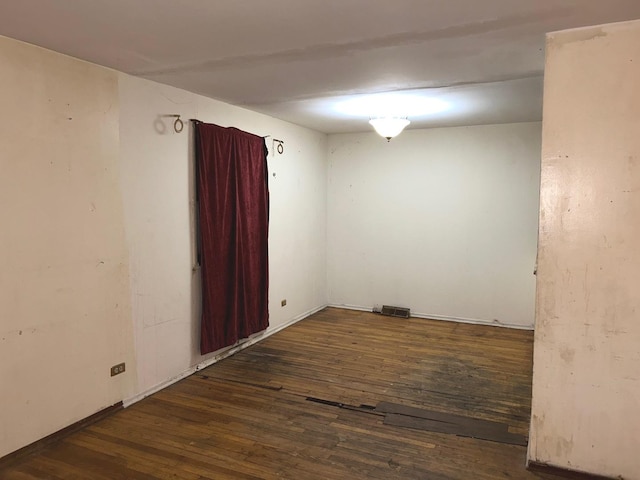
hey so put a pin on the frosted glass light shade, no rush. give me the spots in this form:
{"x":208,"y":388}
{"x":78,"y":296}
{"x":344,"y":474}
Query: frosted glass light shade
{"x":389,"y":127}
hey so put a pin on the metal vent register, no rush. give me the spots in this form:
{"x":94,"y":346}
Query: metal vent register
{"x":391,"y":311}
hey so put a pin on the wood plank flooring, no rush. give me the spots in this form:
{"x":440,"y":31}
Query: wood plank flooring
{"x":249,"y":417}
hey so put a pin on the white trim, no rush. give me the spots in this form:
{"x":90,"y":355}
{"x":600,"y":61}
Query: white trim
{"x":475,"y":321}
{"x":219,"y":356}
{"x":446,"y":318}
{"x":350,"y":307}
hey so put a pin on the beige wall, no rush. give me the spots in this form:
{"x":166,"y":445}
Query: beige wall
{"x":586,"y":384}
{"x":65,"y":315}
{"x":95,"y":241}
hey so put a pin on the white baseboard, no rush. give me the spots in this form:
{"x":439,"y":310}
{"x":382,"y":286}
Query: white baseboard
{"x":475,"y":321}
{"x":446,"y":318}
{"x":220,"y":356}
{"x":350,"y":307}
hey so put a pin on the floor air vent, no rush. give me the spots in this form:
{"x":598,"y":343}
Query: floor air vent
{"x":391,"y":311}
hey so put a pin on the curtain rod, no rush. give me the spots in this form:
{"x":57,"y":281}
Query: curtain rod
{"x":178,"y":126}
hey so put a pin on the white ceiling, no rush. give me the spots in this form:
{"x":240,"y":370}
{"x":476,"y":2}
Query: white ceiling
{"x":294,"y":59}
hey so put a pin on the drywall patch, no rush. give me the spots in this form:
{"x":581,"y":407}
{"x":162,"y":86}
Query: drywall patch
{"x":567,"y":354}
{"x":564,"y":447}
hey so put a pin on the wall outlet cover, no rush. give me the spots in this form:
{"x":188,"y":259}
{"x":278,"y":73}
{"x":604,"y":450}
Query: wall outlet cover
{"x":117,"y":369}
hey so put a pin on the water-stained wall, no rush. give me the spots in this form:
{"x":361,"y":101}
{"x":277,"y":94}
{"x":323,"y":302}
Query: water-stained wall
{"x":65,"y":313}
{"x":586,"y":383}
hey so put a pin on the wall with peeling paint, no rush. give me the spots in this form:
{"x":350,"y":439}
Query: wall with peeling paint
{"x":65,"y":315}
{"x":586,"y":383}
{"x":443,"y":221}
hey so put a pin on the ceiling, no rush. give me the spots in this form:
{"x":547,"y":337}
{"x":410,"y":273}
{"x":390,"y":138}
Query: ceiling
{"x":298,"y":59}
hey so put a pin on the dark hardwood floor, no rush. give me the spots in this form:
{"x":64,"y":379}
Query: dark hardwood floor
{"x":299,"y":406}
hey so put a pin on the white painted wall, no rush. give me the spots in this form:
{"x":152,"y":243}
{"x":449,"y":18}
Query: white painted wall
{"x":157,"y":186}
{"x":586,"y":382}
{"x":443,"y":221}
{"x":65,"y":314}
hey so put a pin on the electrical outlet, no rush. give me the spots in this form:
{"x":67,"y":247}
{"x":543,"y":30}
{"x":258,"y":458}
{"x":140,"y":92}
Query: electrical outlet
{"x":283,"y":303}
{"x":117,"y":369}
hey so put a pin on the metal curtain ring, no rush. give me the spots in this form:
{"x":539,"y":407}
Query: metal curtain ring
{"x":178,"y":125}
{"x":280,"y":148}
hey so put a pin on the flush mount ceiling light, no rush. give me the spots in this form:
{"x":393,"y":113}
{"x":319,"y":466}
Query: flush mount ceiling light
{"x":389,"y":127}
{"x":388,"y":112}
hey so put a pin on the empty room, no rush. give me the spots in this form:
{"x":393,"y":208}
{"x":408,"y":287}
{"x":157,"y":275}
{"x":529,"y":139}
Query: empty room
{"x":319,"y":240}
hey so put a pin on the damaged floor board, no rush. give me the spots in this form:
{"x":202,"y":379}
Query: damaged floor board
{"x":432,"y":421}
{"x":253,"y":416}
{"x":398,"y":420}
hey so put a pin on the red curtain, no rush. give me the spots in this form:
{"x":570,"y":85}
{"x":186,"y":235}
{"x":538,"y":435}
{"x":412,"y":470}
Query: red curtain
{"x":233,"y":198}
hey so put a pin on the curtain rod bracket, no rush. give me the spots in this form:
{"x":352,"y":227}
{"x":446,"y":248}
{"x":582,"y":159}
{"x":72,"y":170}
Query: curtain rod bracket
{"x":178,"y":124}
{"x":280,"y":147}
